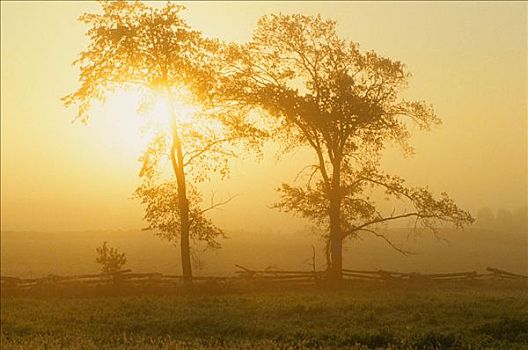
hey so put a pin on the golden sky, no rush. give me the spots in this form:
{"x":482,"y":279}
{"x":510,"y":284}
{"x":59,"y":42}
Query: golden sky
{"x":468,"y":59}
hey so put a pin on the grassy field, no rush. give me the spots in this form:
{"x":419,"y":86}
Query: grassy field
{"x":490,"y":315}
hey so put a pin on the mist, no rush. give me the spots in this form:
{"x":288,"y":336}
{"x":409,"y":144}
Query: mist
{"x":264,"y":175}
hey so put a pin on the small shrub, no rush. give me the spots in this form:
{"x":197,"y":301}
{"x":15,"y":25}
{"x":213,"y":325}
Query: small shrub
{"x":110,"y":258}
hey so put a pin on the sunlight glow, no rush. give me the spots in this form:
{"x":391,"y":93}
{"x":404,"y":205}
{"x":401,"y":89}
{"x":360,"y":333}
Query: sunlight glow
{"x":160,"y":110}
{"x":130,"y":119}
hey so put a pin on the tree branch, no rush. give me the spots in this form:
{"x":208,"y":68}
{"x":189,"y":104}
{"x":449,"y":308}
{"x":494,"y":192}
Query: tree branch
{"x":390,"y":218}
{"x":389,"y":242}
{"x":217,"y":204}
{"x":208,"y":147}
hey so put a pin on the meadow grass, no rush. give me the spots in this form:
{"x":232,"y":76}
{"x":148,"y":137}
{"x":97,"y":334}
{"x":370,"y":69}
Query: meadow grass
{"x":491,"y":315}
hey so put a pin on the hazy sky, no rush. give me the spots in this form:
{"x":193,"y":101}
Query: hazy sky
{"x":468,"y":59}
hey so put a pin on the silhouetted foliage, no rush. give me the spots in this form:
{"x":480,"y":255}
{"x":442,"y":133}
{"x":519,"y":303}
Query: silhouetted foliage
{"x":111,"y":259}
{"x":345,"y":105}
{"x":136,"y":46}
{"x":163,"y":217}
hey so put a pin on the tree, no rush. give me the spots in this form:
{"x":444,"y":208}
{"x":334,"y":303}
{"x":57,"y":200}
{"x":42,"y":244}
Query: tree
{"x":345,"y":105}
{"x":110,"y":258}
{"x":152,"y":49}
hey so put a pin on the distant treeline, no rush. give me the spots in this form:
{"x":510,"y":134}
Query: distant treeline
{"x":503,"y":220}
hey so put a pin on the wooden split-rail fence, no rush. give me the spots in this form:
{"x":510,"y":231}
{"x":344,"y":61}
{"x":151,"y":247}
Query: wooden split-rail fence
{"x":127,"y":277}
{"x":378,"y":275}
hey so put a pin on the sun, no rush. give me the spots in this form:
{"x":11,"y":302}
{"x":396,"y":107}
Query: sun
{"x":154,"y":108}
{"x":131,"y":119}
{"x":163,"y":109}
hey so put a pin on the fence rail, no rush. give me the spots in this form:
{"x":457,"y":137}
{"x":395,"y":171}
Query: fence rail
{"x":245,"y":274}
{"x":377,"y":275}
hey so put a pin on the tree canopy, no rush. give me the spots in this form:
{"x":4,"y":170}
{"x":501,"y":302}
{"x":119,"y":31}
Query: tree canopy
{"x":344,"y":104}
{"x":320,"y":90}
{"x":135,"y":46}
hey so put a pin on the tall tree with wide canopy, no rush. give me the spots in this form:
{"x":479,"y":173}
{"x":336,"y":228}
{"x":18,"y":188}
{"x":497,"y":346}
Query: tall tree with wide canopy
{"x":345,"y":105}
{"x":136,"y":46}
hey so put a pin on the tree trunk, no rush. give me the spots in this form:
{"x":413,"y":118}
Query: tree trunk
{"x":336,"y":240}
{"x":183,"y":204}
{"x":176,"y":156}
